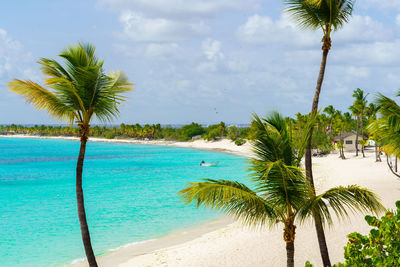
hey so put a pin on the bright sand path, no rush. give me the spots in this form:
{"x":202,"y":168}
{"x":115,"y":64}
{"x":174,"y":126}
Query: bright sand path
{"x":223,"y":244}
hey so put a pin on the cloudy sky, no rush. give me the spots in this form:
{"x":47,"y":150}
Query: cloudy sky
{"x":202,"y":60}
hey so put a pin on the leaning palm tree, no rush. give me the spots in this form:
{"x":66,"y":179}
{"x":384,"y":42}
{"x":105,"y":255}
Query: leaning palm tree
{"x":282,"y":193}
{"x":328,"y":15}
{"x":387,"y":129}
{"x":77,"y":92}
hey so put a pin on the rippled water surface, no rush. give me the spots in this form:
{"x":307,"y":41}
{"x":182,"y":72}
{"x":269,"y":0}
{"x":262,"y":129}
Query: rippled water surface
{"x":130,"y":196}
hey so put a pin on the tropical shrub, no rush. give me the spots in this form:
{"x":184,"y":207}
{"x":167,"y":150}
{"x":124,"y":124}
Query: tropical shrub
{"x":240,"y":142}
{"x":212,"y":134}
{"x":233,"y":133}
{"x":322,"y":142}
{"x":380,"y":248}
{"x":190,"y":130}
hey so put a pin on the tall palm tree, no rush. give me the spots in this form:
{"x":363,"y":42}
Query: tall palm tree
{"x":77,"y":92}
{"x":328,"y":15}
{"x":359,"y":108}
{"x":282,"y":193}
{"x":354,"y":111}
{"x":330,"y":111}
{"x":371,"y":112}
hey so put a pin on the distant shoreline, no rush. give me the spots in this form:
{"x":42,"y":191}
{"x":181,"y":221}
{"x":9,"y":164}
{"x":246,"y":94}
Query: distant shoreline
{"x":222,"y":145}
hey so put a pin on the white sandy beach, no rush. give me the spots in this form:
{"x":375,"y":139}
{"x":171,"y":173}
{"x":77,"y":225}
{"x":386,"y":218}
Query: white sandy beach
{"x":223,"y":243}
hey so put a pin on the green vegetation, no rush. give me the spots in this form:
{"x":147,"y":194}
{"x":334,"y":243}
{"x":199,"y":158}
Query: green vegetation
{"x":281,"y":193}
{"x":381,"y":247}
{"x":78,"y":91}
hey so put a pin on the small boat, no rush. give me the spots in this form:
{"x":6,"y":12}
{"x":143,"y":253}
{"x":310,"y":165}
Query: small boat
{"x":209,"y":164}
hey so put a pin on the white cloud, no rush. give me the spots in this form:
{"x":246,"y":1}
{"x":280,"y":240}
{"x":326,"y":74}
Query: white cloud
{"x":162,"y":51}
{"x":369,"y":54}
{"x":363,"y":29}
{"x":212,"y":49}
{"x":183,"y":8}
{"x":14,"y":60}
{"x":139,"y":27}
{"x":261,"y":30}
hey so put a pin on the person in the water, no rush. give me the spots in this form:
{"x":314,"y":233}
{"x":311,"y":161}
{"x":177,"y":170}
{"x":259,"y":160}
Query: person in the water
{"x":202,"y":162}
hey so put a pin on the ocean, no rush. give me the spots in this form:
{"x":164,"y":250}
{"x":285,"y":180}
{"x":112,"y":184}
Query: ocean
{"x":130,"y":190}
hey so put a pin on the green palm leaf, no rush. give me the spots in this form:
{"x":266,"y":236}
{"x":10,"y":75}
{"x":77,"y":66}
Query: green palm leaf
{"x":233,"y":198}
{"x":341,"y":200}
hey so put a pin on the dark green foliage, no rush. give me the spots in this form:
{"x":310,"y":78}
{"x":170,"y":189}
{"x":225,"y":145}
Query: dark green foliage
{"x":381,"y":247}
{"x":190,"y":130}
{"x":240,"y":141}
{"x":233,"y":133}
{"x":214,"y":131}
{"x":322,"y":142}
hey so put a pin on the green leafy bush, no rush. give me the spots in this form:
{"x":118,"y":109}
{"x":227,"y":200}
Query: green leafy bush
{"x":190,"y":130}
{"x":380,"y":248}
{"x":110,"y":135}
{"x":233,"y":133}
{"x":240,"y":142}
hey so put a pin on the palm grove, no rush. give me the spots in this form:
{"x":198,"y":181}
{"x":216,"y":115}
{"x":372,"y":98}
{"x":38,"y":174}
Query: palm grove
{"x":78,"y":90}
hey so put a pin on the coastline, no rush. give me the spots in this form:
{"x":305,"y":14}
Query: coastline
{"x":223,"y":145}
{"x":119,"y":255}
{"x":227,"y":243}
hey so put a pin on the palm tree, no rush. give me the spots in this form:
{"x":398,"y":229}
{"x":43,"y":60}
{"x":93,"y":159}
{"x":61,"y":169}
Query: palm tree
{"x":330,"y":111}
{"x":387,"y":128}
{"x":328,"y":15}
{"x":77,"y":91}
{"x":354,"y":111}
{"x":282,"y":193}
{"x":359,"y":108}
{"x":371,"y":112}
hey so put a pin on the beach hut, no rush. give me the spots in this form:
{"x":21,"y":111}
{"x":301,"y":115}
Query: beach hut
{"x":349,"y":140}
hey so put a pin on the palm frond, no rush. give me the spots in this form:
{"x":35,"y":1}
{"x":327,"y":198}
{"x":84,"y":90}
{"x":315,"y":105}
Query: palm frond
{"x":341,"y":200}
{"x":233,"y":198}
{"x":315,"y":14}
{"x":42,"y":98}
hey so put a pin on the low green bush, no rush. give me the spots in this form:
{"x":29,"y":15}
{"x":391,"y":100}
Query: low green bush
{"x":380,"y":248}
{"x":239,"y":141}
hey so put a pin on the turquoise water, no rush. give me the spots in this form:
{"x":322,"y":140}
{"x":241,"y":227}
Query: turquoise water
{"x":130,"y":196}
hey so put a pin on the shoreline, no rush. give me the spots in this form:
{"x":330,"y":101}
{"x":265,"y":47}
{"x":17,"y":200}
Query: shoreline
{"x":123,"y":253}
{"x":222,"y":145}
{"x":232,"y":244}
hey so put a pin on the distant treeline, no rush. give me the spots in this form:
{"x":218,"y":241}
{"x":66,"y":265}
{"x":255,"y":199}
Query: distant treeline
{"x":137,"y":131}
{"x":328,"y":124}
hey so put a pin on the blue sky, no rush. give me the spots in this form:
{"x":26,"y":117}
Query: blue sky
{"x":204,"y":61}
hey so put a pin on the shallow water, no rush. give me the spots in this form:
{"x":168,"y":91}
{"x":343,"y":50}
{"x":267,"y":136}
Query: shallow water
{"x":130,"y":196}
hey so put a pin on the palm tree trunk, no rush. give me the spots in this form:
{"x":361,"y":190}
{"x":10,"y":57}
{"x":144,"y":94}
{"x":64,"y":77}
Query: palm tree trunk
{"x":81,"y":206}
{"x":322,"y":242}
{"x":379,"y":153}
{"x":308,"y":162}
{"x":356,"y":144}
{"x":362,"y":133}
{"x":289,"y":233}
{"x":290,"y":254}
{"x":376,"y":152}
